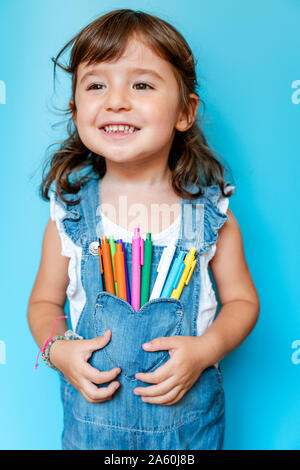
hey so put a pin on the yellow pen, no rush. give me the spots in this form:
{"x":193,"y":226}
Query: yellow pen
{"x":190,"y":263}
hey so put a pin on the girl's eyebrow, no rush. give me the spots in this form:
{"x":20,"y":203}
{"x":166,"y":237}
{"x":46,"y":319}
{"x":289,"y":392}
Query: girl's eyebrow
{"x":138,"y":70}
{"x":148,"y":72}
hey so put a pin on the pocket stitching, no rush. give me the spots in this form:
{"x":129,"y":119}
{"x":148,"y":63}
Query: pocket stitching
{"x":137,"y":312}
{"x":178,"y":329}
{"x":132,"y":378}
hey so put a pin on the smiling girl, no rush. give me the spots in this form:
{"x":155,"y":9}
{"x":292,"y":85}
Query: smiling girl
{"x":145,"y":379}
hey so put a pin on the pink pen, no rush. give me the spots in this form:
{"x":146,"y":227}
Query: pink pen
{"x":137,"y":262}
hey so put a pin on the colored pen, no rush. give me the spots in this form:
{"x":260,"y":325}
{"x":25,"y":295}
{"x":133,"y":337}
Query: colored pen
{"x":101,"y":265}
{"x":120,"y":271}
{"x":112,"y":251}
{"x":126,"y":272}
{"x":190,"y":263}
{"x":162,"y":269}
{"x":146,"y":269}
{"x":107,"y":266}
{"x":137,"y":262}
{"x":174,"y":275}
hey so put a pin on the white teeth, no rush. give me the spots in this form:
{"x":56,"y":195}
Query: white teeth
{"x":120,"y":128}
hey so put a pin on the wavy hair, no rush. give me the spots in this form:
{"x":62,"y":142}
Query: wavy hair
{"x":190,"y":160}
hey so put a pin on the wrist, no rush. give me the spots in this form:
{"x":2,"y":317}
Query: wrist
{"x":208,"y":351}
{"x":46,"y":353}
{"x":69,"y":335}
{"x":54,"y":352}
{"x":54,"y":345}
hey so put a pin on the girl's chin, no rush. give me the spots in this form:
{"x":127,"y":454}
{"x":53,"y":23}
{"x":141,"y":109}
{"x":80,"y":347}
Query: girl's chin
{"x":123,"y":159}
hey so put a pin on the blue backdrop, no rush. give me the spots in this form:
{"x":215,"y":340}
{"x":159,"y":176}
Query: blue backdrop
{"x":249,"y":73}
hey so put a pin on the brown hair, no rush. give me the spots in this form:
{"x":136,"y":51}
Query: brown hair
{"x":191,"y":160}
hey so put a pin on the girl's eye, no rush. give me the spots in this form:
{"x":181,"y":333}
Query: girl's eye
{"x":96,"y":86}
{"x":142,"y":83}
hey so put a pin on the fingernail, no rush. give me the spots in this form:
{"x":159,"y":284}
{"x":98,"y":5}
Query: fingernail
{"x":147,"y":345}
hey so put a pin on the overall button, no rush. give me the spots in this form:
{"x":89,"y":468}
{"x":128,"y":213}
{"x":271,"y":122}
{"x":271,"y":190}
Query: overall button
{"x":93,"y":248}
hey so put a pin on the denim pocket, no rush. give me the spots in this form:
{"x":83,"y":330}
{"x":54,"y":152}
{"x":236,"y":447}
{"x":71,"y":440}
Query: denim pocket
{"x":130,"y":329}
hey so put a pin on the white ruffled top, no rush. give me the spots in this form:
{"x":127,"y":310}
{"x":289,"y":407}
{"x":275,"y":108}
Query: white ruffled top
{"x":75,"y":292}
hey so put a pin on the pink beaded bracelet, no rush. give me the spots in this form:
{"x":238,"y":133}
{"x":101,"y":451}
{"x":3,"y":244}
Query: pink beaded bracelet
{"x":48,"y":341}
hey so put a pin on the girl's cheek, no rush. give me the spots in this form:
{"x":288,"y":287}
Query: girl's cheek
{"x":86,"y":116}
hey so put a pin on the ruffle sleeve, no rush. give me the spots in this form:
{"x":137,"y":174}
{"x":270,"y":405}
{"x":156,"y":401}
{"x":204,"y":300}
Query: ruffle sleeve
{"x":69,"y":215}
{"x":58,"y":214}
{"x":215,"y":207}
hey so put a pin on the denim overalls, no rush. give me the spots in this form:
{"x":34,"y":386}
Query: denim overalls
{"x":125,"y":422}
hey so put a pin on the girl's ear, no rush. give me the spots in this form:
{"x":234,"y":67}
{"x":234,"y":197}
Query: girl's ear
{"x":185,"y":122}
{"x":73,"y":110}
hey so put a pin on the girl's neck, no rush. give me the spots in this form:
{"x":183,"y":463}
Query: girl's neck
{"x":154,"y":176}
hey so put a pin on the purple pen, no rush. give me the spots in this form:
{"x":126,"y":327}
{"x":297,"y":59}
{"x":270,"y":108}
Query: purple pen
{"x":126,"y":272}
{"x":137,"y":262}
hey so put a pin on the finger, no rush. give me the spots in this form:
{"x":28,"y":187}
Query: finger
{"x":97,"y":343}
{"x":177,"y":398}
{"x":163,"y":343}
{"x":99,"y":377}
{"x":160,"y":374}
{"x":156,"y":390}
{"x":163,"y":399}
{"x":96,"y":394}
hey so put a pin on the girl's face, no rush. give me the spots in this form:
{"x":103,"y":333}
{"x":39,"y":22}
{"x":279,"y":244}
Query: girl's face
{"x":110,"y":92}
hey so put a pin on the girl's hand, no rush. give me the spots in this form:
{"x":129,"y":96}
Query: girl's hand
{"x":174,"y":378}
{"x":71,"y":358}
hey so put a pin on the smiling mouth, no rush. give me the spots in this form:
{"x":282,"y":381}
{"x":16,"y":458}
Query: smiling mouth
{"x":124,"y":132}
{"x":119,"y":135}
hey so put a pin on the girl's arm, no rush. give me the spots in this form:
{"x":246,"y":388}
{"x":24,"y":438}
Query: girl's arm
{"x":237,"y":293}
{"x":47,"y":302}
{"x":48,"y":296}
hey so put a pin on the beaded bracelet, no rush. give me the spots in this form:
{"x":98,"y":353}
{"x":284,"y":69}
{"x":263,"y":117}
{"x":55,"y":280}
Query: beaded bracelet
{"x":46,"y":355}
{"x":46,"y":348}
{"x":69,"y":335}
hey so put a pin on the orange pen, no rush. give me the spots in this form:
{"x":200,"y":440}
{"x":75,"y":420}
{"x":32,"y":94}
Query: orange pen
{"x":120,"y":271}
{"x":107,"y":266}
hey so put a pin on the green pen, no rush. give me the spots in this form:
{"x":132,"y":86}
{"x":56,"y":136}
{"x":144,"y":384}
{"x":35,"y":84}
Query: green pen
{"x":146,"y":270}
{"x":113,"y":249}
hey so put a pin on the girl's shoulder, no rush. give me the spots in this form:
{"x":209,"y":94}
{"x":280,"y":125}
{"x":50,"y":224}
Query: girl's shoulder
{"x":215,"y":206}
{"x":67,"y":206}
{"x":59,"y":211}
{"x":67,"y":214}
{"x":214,"y":194}
{"x":73,"y":203}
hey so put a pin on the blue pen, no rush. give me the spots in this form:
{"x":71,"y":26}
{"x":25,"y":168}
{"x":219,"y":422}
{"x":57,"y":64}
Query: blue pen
{"x":174,"y":275}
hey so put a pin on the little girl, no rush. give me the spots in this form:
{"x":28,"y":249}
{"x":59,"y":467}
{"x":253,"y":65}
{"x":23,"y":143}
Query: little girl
{"x":146,"y":378}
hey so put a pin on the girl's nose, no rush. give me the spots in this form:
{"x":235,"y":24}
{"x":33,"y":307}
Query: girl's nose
{"x":117,"y":99}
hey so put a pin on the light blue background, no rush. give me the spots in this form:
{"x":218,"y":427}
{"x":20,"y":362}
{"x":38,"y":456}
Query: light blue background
{"x":248,"y":54}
